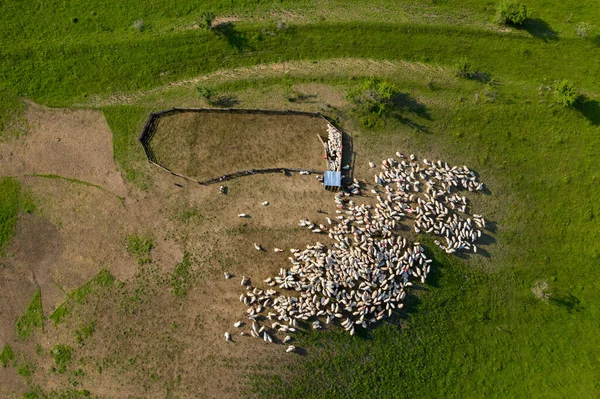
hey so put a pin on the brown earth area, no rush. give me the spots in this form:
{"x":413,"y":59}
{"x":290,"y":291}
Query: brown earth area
{"x":205,"y":145}
{"x":147,"y":341}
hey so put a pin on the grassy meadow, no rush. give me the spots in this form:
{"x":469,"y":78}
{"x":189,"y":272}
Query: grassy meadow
{"x":477,"y":329}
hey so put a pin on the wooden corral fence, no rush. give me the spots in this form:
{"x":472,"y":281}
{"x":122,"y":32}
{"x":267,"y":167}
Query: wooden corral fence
{"x":152,"y":122}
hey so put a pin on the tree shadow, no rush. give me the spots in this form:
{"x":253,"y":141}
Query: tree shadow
{"x":225,"y":101}
{"x":596,"y":40}
{"x":570,"y":303}
{"x":406,"y":104}
{"x":540,"y":29}
{"x":234,"y":38}
{"x":590,"y":109}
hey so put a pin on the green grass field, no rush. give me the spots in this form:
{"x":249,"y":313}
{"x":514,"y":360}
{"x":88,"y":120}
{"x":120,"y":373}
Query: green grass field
{"x":477,"y":330}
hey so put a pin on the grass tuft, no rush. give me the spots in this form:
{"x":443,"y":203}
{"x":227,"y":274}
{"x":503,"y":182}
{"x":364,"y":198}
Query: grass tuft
{"x":181,"y":279}
{"x":7,"y":356}
{"x":32,"y":318}
{"x":62,"y":357}
{"x":140,"y":247}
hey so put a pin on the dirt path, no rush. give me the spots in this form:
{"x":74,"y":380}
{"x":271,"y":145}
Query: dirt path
{"x":329,"y":67}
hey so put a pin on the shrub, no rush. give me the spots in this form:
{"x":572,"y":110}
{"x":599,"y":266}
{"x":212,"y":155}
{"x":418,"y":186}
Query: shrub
{"x":463,"y":68}
{"x":205,"y":92}
{"x":511,"y":13}
{"x":206,"y":20}
{"x":565,"y":93}
{"x":372,"y":100}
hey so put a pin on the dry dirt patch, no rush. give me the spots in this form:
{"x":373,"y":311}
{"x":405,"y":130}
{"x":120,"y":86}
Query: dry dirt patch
{"x":76,"y":144}
{"x":205,"y":145}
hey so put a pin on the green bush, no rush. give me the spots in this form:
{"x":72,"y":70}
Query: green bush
{"x":372,"y":100}
{"x":206,"y":20}
{"x":510,"y":12}
{"x":463,"y":68}
{"x":565,"y":93}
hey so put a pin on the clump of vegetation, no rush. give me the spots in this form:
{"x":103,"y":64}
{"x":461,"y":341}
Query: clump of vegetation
{"x":373,"y":100}
{"x":583,"y":29}
{"x":62,"y":357}
{"x":140,"y":247}
{"x":7,"y":356}
{"x":86,"y":331}
{"x":565,"y":93}
{"x":510,"y":12}
{"x":79,"y":296}
{"x":205,"y":92}
{"x":540,"y":290}
{"x":25,"y":370}
{"x":464,"y":69}
{"x":181,"y":279}
{"x":206,"y":20}
{"x":139,"y":25}
{"x":32,"y":318}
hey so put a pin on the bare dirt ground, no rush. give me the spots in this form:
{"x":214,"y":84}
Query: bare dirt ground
{"x":69,"y":143}
{"x":205,"y":145}
{"x":147,"y":341}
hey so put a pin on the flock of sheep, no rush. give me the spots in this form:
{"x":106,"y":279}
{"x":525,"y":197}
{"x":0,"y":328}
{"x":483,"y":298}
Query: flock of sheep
{"x":363,"y":276}
{"x":333,"y":148}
